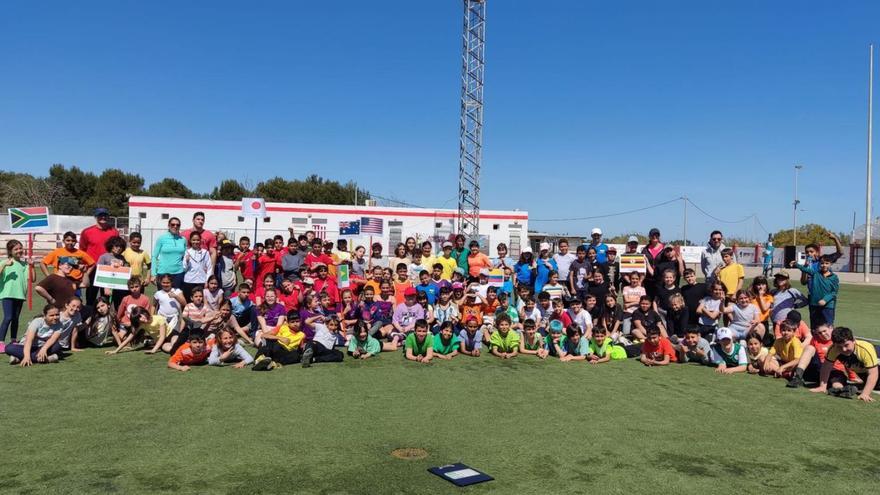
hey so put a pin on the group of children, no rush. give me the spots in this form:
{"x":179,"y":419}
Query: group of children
{"x":290,"y":310}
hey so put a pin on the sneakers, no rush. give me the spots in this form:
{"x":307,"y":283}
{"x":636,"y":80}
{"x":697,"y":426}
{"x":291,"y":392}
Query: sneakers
{"x":844,"y":392}
{"x":307,"y":357}
{"x":263,"y":363}
{"x":274,"y":366}
{"x":14,"y":360}
{"x":795,"y":382}
{"x":52,"y":358}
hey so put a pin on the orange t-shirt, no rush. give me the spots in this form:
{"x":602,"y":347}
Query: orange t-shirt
{"x":768,"y":303}
{"x":78,"y":256}
{"x":664,"y":347}
{"x":475,"y":310}
{"x":185,"y":356}
{"x":801,"y":333}
{"x":399,"y":289}
{"x":478,"y":262}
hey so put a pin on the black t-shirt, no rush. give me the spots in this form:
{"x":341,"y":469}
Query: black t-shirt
{"x":649,"y":319}
{"x":609,"y":316}
{"x":580,"y":272}
{"x":662,"y":266}
{"x":598,"y":290}
{"x":663,"y":295}
{"x":677,"y":322}
{"x":59,"y":287}
{"x":693,"y":294}
{"x":612,"y":273}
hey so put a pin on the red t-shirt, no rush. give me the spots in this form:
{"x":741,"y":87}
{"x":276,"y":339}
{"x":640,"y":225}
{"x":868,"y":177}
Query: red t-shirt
{"x":265,"y":266}
{"x":822,"y":347}
{"x":664,"y":347}
{"x":245,"y":263}
{"x":312,"y":260}
{"x":290,"y":301}
{"x":185,"y":356}
{"x":209,"y":240}
{"x":564,"y":318}
{"x":92,"y":240}
{"x":328,"y":285}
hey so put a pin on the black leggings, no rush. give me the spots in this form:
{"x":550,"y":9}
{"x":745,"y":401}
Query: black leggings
{"x":272,"y":349}
{"x":324,"y":355}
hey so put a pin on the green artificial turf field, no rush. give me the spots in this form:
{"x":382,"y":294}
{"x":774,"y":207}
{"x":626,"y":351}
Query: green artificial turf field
{"x":127,"y":424}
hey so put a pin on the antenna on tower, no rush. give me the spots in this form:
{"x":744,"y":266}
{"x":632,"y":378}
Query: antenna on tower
{"x":471,"y":131}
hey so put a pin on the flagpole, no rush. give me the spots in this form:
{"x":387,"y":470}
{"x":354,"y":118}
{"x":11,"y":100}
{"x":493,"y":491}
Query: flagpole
{"x":30,"y":271}
{"x":868,"y":179}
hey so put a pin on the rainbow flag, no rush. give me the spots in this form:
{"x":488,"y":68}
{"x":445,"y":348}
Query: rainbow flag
{"x":111,"y":277}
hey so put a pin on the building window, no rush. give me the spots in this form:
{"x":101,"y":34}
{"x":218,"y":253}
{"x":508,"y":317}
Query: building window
{"x":142,"y":214}
{"x":299,"y":220}
{"x":438,"y":225}
{"x":495,"y":226}
{"x":241,"y":219}
{"x":395,"y":223}
{"x":319,"y":221}
{"x":267,"y":219}
{"x":165,"y":216}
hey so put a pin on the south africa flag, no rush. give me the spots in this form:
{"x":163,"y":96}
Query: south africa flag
{"x":29,"y":219}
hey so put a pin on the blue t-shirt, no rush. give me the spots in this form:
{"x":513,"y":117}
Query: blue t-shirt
{"x":523,"y":273}
{"x":768,"y":254}
{"x":471,"y":343}
{"x":543,"y":274}
{"x":601,"y":251}
{"x":239,"y":308}
{"x":581,"y":349}
{"x":431,"y":290}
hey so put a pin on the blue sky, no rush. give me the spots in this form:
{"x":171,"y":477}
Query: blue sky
{"x":590,"y":107}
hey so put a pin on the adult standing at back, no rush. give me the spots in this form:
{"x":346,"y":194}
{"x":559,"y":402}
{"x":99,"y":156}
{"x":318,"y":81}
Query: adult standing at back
{"x":209,"y":240}
{"x":710,"y":258}
{"x":92,"y":240}
{"x":597,"y":244}
{"x":563,"y":261}
{"x":168,"y":254}
{"x":653,"y":252}
{"x":460,"y":253}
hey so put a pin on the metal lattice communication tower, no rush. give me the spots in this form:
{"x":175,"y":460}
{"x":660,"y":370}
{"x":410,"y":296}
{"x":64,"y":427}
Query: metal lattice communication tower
{"x":471,"y":133}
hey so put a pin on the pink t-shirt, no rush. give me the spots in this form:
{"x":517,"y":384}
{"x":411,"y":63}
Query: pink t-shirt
{"x":209,"y":240}
{"x":630,"y":291}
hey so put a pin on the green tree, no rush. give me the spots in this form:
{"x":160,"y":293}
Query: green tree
{"x":78,"y":187}
{"x":230,"y":190}
{"x":170,"y":188}
{"x":621,"y":239}
{"x":275,"y":189}
{"x":112,"y":190}
{"x":806,"y":234}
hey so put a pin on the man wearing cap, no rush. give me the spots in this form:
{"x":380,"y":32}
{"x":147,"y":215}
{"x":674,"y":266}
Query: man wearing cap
{"x":92,"y":240}
{"x":449,"y":263}
{"x":710,"y":258}
{"x":209,"y":240}
{"x":597,"y":244}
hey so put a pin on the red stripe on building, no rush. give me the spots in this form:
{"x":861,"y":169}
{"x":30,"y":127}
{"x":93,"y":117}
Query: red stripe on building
{"x":341,"y":211}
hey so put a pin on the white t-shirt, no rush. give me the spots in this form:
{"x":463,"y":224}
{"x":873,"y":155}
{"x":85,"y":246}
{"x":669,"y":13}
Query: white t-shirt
{"x":42,"y":331}
{"x":711,"y":305}
{"x":169,"y":307}
{"x":67,"y":326}
{"x":323,"y":336}
{"x":582,"y":319}
{"x":563,"y":262}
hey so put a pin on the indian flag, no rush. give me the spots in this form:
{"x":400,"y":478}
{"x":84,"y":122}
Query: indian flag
{"x":111,"y":277}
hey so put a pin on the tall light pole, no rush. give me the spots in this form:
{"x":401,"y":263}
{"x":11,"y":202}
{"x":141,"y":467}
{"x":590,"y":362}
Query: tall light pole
{"x":870,"y":136}
{"x":797,"y":202}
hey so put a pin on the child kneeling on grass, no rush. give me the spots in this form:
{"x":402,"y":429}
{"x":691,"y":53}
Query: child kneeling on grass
{"x":362,"y":345}
{"x":504,"y":343}
{"x":445,"y":342}
{"x":194,"y":352}
{"x":285,"y":346}
{"x":531,"y":342}
{"x":602,"y":348}
{"x":728,"y":354}
{"x":40,"y":340}
{"x":575,"y":347}
{"x":858,"y":356}
{"x":785,"y":353}
{"x":420,"y":343}
{"x":226,"y":349}
{"x":657,"y":350}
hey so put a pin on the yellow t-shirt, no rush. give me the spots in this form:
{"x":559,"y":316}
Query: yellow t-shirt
{"x":154,"y":327}
{"x":449,"y":266}
{"x":787,"y":351}
{"x":730,"y":275}
{"x":137,"y":261}
{"x":295,"y":338}
{"x":863,"y":358}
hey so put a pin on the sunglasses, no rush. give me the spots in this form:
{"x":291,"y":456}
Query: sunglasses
{"x":174,"y":225}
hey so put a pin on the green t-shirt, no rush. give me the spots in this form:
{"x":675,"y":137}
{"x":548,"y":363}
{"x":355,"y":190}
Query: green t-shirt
{"x":548,"y":342}
{"x":537,"y":344}
{"x":600,"y":350}
{"x":13,"y":281}
{"x":505,"y":343}
{"x":419,"y":349}
{"x":441,"y":348}
{"x":370,"y":346}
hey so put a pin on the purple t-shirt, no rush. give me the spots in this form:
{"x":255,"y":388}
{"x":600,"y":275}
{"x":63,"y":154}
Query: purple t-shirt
{"x":272,"y":313}
{"x":308,"y":330}
{"x":407,"y":315}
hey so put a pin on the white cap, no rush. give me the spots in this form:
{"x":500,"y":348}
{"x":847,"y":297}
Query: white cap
{"x":545,"y":246}
{"x":632,"y":238}
{"x":596,"y":230}
{"x":527,"y":249}
{"x":484,"y":271}
{"x":724,"y":333}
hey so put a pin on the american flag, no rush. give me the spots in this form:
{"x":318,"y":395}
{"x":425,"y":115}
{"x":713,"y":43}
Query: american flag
{"x":371,"y":225}
{"x":320,"y":231}
{"x":350,"y":228}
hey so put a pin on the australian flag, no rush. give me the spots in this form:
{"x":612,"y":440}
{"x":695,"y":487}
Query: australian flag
{"x":350,"y":228}
{"x":371,"y":225}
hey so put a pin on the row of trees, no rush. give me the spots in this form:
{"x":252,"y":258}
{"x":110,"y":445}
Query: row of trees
{"x":72,"y":191}
{"x":806,"y":234}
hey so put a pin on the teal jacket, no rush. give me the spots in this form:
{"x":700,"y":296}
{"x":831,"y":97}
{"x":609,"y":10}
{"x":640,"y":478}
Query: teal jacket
{"x":821,"y":288}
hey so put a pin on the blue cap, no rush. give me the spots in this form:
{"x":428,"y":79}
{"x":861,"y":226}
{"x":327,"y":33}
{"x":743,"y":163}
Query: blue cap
{"x":102,"y":211}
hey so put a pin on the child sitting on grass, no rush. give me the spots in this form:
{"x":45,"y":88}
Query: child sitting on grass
{"x":194,"y":352}
{"x":419,"y":344}
{"x":857,"y":356}
{"x":40,"y":340}
{"x":504,"y":343}
{"x":445,"y":342}
{"x":785,"y":353}
{"x":362,"y":345}
{"x":815,"y":353}
{"x":728,"y":355}
{"x":226,"y":349}
{"x":744,"y":317}
{"x":471,"y":337}
{"x":756,"y":354}
{"x":693,"y":348}
{"x":282,"y":347}
{"x":146,"y":327}
{"x":602,"y":348}
{"x":321,"y":347}
{"x":657,"y":350}
{"x":531,"y":342}
{"x":135,"y":298}
{"x":575,"y":347}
